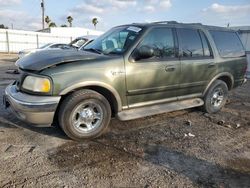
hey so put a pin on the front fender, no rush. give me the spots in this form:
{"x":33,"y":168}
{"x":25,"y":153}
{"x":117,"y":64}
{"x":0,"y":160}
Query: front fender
{"x":94,"y":83}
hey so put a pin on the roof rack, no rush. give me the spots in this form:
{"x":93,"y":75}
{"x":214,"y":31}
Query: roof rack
{"x":165,"y":22}
{"x":193,"y":23}
{"x":175,"y":22}
{"x":170,"y":22}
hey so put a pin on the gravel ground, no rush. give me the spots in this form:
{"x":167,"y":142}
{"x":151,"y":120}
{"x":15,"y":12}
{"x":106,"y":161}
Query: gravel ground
{"x":181,"y":149}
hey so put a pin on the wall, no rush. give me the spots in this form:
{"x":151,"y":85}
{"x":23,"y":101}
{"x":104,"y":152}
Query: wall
{"x":12,"y":41}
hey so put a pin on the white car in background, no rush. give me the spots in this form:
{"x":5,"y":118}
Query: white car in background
{"x":82,"y":41}
{"x":44,"y":47}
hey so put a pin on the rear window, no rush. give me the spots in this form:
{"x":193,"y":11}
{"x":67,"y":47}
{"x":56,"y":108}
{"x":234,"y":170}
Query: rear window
{"x":228,"y":43}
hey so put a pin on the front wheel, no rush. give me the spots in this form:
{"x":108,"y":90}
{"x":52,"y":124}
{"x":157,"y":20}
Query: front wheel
{"x":216,"y":97}
{"x":85,"y":114}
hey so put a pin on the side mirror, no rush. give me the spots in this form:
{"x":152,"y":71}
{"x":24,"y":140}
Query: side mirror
{"x":145,"y":52}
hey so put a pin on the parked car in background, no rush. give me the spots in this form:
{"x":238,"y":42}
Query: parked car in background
{"x":82,"y":41}
{"x":44,"y":47}
{"x":131,"y":71}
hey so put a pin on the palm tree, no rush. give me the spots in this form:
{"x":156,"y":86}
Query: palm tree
{"x":94,"y":22}
{"x":70,"y":20}
{"x":47,"y":20}
{"x":52,"y":24}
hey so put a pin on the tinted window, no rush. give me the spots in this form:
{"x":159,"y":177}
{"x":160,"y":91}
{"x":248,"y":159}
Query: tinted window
{"x":44,"y":46}
{"x":244,"y":35}
{"x":55,"y":46}
{"x":206,"y":47}
{"x":162,"y":41}
{"x":190,"y":41}
{"x":228,"y":43}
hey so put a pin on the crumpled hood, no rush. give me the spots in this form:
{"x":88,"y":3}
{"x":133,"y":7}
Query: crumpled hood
{"x":47,"y":58}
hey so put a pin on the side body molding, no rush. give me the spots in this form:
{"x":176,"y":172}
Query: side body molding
{"x":95,"y":83}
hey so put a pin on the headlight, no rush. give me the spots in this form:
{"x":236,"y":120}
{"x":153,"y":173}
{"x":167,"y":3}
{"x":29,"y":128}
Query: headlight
{"x":37,"y":84}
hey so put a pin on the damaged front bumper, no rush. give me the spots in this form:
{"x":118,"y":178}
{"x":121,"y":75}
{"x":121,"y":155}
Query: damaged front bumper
{"x":39,"y":110}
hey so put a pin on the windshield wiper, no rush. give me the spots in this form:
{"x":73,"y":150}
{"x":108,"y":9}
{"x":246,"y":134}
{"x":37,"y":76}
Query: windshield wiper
{"x":94,"y":50}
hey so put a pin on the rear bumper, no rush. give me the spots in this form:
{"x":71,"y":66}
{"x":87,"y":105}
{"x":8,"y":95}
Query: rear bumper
{"x":39,"y":110}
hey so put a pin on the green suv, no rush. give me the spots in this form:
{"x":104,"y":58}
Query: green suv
{"x":129,"y":72}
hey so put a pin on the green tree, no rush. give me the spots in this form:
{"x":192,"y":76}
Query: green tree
{"x":3,"y":27}
{"x":47,"y":20}
{"x":95,"y":22}
{"x":64,"y":25}
{"x":70,"y":20}
{"x":52,"y":24}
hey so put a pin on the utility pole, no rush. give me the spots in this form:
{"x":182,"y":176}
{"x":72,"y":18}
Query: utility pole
{"x":42,"y":6}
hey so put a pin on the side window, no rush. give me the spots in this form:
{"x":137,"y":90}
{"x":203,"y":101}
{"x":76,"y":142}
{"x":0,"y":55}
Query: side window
{"x":207,"y":51}
{"x":55,"y":46}
{"x":228,"y":43}
{"x":190,"y":42}
{"x":162,"y":41}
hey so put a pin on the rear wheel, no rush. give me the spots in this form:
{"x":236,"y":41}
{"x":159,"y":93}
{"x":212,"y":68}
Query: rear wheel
{"x":85,"y":114}
{"x":216,"y":97}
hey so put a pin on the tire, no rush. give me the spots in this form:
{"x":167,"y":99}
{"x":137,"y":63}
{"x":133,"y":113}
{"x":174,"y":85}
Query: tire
{"x":216,"y":97}
{"x":85,"y":114}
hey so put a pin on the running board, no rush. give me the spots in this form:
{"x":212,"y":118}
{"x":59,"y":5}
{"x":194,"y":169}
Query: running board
{"x":136,"y":113}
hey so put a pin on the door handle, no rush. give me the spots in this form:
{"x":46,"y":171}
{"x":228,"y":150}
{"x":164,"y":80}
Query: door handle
{"x":211,"y":65}
{"x":169,"y":68}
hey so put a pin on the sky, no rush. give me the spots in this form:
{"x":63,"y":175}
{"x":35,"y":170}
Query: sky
{"x":26,"y":14}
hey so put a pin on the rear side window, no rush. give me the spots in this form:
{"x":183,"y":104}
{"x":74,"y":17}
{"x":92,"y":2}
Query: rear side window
{"x":228,"y":43}
{"x":190,"y":41}
{"x":206,"y":46}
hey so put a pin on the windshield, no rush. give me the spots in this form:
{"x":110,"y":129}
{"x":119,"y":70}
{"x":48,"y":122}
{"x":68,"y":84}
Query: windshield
{"x":44,"y":46}
{"x":115,"y":41}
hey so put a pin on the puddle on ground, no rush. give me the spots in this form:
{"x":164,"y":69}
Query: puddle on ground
{"x":199,"y":171}
{"x":240,"y":164}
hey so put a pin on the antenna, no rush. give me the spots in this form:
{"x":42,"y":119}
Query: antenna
{"x":43,"y":9}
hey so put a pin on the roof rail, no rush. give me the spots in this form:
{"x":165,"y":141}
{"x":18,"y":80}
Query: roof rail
{"x":175,"y":22}
{"x":165,"y":22}
{"x":170,"y":22}
{"x":193,"y":23}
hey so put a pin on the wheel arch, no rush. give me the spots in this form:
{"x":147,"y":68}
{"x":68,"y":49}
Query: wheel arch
{"x":104,"y":89}
{"x":225,"y":76}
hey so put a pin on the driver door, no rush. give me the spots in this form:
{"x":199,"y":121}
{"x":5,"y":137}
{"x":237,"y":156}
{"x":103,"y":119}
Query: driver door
{"x":154,"y":79}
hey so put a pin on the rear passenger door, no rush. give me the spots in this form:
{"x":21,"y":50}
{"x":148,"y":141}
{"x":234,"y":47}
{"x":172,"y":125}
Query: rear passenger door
{"x":197,"y":62}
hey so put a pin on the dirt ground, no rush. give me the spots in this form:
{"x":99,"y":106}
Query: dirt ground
{"x":181,"y":149}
